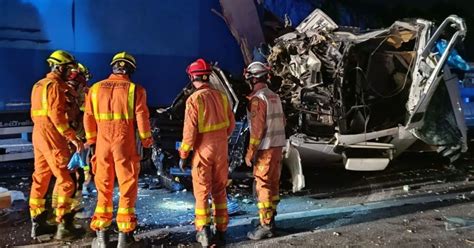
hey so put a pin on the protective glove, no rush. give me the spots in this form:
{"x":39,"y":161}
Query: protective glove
{"x":76,"y":162}
{"x":182,"y":164}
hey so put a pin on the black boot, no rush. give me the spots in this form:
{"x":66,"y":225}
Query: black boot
{"x":39,"y":226}
{"x":126,"y":240}
{"x":219,"y":238}
{"x":273,"y":223}
{"x":102,"y":239}
{"x":261,"y":232}
{"x":204,"y":236}
{"x":67,"y":230}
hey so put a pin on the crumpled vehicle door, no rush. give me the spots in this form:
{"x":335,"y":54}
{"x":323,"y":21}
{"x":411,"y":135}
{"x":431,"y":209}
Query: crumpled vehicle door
{"x":435,"y":112}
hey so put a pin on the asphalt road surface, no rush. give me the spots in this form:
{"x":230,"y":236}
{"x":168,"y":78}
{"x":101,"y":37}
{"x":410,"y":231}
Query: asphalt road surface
{"x":418,"y":201}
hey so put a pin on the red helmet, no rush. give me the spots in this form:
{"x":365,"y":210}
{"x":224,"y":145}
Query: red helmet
{"x":198,"y":68}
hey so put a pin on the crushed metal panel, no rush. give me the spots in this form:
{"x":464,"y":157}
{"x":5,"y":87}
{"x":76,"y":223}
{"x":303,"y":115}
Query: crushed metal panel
{"x":423,"y":88}
{"x":397,"y":38}
{"x":219,"y":81}
{"x":366,"y":164}
{"x":455,"y":97}
{"x":349,"y":139}
{"x":292,"y":160}
{"x":243,"y":21}
{"x":317,"y":20}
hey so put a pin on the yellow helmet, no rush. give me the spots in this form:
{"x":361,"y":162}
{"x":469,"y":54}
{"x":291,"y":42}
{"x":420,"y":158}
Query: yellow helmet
{"x":84,"y":70}
{"x":124,"y":56}
{"x":60,"y":57}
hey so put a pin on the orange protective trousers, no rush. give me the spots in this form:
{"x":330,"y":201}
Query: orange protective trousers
{"x":51,"y":133}
{"x":116,"y":155}
{"x":210,"y":171}
{"x":267,"y":177}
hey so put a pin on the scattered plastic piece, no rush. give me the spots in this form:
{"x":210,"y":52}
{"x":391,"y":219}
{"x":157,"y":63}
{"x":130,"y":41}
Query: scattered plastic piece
{"x":454,"y":223}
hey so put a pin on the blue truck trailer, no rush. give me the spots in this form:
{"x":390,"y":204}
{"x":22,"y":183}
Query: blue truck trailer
{"x":165,"y":36}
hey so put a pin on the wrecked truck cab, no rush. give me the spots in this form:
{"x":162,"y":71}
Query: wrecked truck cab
{"x":167,"y":125}
{"x":366,"y":98}
{"x":357,"y":98}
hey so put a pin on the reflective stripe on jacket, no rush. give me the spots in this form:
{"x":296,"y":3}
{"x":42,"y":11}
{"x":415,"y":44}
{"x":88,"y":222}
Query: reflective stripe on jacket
{"x":48,"y":103}
{"x":207,"y":110}
{"x":274,"y":134}
{"x":116,"y":99}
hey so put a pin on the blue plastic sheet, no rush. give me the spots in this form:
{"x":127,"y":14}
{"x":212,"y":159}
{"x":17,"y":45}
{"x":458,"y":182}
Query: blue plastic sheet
{"x":232,"y":205}
{"x":454,"y":60}
{"x":76,"y":162}
{"x":261,"y":53}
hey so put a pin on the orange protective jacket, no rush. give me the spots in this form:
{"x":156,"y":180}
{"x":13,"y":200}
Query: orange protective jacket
{"x":48,"y":104}
{"x":97,"y":111}
{"x":202,"y":123}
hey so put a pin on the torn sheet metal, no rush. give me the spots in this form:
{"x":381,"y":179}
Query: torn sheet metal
{"x":338,"y":82}
{"x":242,"y":19}
{"x":316,"y":21}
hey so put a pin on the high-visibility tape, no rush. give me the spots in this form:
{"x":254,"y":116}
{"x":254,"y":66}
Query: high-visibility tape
{"x":144,"y":135}
{"x":203,"y":222}
{"x":262,"y":205}
{"x":185,"y":147}
{"x":126,"y":226}
{"x":267,"y":215}
{"x":37,"y":201}
{"x":103,"y":210}
{"x":62,"y":127}
{"x":36,"y":211}
{"x":126,"y":211}
{"x":219,"y":205}
{"x":44,"y":102}
{"x":254,"y":141}
{"x":101,"y":223}
{"x":61,"y":211}
{"x":131,"y":101}
{"x":202,"y":211}
{"x":64,"y":199}
{"x":204,"y":127}
{"x":129,"y":115}
{"x":90,"y":135}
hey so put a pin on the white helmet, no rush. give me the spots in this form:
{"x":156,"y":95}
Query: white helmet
{"x":256,"y":69}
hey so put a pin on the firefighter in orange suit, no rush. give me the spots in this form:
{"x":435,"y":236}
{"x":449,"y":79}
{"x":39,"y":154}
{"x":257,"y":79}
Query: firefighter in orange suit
{"x":75,"y":97}
{"x":208,"y":122}
{"x":115,"y":107}
{"x":51,"y":135}
{"x":267,"y":139}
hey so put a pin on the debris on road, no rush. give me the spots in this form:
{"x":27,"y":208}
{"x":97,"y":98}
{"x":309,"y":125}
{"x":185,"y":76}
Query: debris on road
{"x":455,"y":223}
{"x":406,"y":188}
